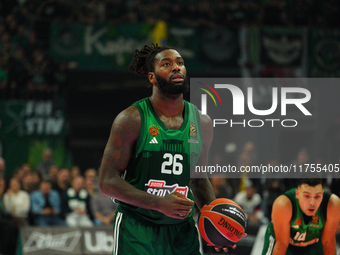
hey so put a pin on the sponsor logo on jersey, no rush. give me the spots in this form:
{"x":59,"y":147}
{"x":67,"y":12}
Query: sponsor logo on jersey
{"x":298,"y":221}
{"x":153,"y":140}
{"x":192,"y":141}
{"x":192,"y":130}
{"x":315,"y":219}
{"x":159,"y":188}
{"x":153,"y":130}
{"x":304,"y":244}
{"x":295,"y":226}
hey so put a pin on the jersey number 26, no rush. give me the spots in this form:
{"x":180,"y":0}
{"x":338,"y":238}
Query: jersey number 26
{"x":171,"y":165}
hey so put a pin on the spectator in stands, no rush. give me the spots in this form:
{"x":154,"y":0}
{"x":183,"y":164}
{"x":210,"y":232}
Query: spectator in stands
{"x":76,"y":204}
{"x":301,"y":159}
{"x":275,"y":13}
{"x":221,"y":188}
{"x":2,"y":167}
{"x":250,"y":201}
{"x":103,"y":209}
{"x":53,"y":173}
{"x":91,"y":12}
{"x":47,"y":161}
{"x":19,"y":173}
{"x":46,"y":206}
{"x":75,"y":172}
{"x":17,"y":203}
{"x":25,"y":168}
{"x":11,"y":24}
{"x":37,"y":179}
{"x":28,"y":183}
{"x":3,"y":78}
{"x":31,"y":45}
{"x":38,"y":82}
{"x":117,"y":11}
{"x":20,"y":37}
{"x":60,"y":78}
{"x":91,"y":173}
{"x":63,"y":181}
{"x":330,"y":13}
{"x":18,"y":68}
{"x":8,"y":231}
{"x":2,"y":192}
{"x":51,"y":10}
{"x":90,"y":187}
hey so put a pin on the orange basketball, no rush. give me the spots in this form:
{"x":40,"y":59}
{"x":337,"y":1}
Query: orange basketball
{"x":222,"y":222}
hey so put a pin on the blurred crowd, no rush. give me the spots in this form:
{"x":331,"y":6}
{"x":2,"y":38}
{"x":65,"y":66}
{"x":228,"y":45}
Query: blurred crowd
{"x":40,"y":195}
{"x":27,"y":71}
{"x":256,"y":195}
{"x":49,"y":195}
{"x":192,"y":12}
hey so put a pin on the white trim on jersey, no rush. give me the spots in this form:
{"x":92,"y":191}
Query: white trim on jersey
{"x":116,"y":233}
{"x":271,"y":245}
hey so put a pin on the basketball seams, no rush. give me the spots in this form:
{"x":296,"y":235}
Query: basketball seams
{"x":225,"y":224}
{"x":212,"y":206}
{"x":235,"y":217}
{"x":222,"y":234}
{"x":220,"y":201}
{"x":203,"y":234}
{"x":226,"y":217}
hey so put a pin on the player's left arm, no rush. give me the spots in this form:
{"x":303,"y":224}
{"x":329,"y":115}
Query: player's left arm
{"x":332,"y":222}
{"x":200,"y":185}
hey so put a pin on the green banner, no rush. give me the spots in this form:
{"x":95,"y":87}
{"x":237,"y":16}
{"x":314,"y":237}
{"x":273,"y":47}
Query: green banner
{"x":27,"y":127}
{"x":324,"y":45}
{"x":108,"y":47}
{"x":277,"y":46}
{"x":98,"y":46}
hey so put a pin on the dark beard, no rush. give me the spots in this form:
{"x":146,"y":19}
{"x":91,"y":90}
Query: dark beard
{"x":171,"y":88}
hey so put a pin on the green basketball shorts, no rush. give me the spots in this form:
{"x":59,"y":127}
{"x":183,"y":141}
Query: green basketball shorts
{"x":138,"y":236}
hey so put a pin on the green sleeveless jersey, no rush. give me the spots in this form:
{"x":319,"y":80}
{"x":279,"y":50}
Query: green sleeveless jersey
{"x":304,"y":230}
{"x":163,"y":159}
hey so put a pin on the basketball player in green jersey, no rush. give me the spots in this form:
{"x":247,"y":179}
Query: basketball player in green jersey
{"x":153,"y":146}
{"x":304,"y":221}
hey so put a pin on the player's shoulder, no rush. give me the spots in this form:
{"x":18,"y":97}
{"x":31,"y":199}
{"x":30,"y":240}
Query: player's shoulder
{"x":128,"y":121}
{"x":205,"y":119}
{"x":282,"y":201}
{"x":129,"y":114}
{"x":333,"y":204}
{"x":282,"y":209}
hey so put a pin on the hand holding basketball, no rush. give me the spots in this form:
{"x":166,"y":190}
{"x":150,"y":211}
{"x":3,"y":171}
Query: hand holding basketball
{"x":222,"y":223}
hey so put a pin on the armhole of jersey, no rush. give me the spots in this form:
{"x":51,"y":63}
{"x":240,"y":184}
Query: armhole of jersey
{"x":198,"y":122}
{"x":325,"y":200}
{"x":142,"y":126}
{"x":293,"y":205}
{"x":197,"y":118}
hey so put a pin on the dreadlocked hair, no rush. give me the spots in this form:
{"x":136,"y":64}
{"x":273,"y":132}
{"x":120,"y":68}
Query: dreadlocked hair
{"x":144,"y":59}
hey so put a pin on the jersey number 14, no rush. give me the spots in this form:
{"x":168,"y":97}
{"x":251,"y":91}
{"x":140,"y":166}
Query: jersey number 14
{"x":300,"y":237}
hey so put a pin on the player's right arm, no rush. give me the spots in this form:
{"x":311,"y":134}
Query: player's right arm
{"x":281,"y":216}
{"x":117,"y":155}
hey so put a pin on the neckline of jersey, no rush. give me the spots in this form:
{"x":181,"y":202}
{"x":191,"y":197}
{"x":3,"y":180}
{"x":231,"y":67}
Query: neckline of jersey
{"x":160,"y":122}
